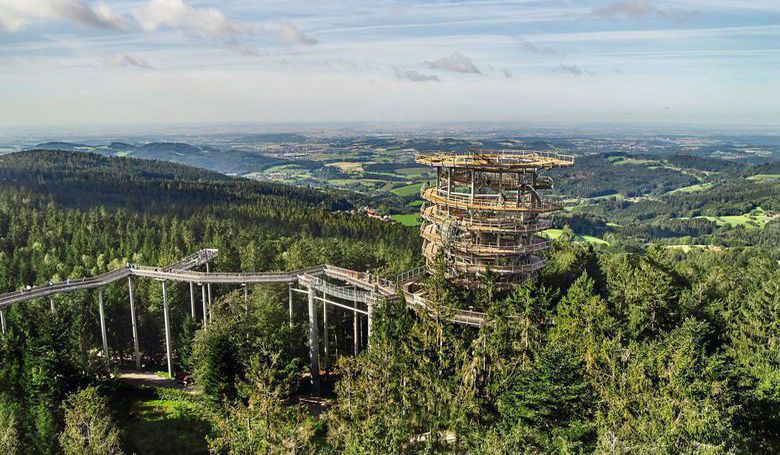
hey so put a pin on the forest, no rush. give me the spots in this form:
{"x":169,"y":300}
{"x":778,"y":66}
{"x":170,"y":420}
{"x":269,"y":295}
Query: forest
{"x":632,"y":347}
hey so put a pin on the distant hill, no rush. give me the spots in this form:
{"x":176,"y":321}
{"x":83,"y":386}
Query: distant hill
{"x":155,"y":149}
{"x":234,"y":162}
{"x":83,"y":180}
{"x":65,"y":146}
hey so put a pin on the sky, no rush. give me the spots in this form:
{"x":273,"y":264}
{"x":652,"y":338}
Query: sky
{"x":135,"y":62}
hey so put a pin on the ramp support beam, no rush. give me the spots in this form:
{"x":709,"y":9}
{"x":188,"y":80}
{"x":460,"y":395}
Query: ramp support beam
{"x":192,"y":299}
{"x":356,"y":329}
{"x":208,"y":286}
{"x":166,"y":315}
{"x":205,"y":305}
{"x":326,"y":347}
{"x":135,"y":325}
{"x":103,"y":334}
{"x":314,"y":346}
{"x":370,"y":322}
{"x":290,"y":299}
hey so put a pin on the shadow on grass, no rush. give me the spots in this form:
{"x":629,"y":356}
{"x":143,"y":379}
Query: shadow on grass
{"x":152,"y":421}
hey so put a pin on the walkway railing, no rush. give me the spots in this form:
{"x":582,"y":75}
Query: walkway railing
{"x":374,"y":288}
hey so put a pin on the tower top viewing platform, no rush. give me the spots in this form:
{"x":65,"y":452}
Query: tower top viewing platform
{"x":508,"y":160}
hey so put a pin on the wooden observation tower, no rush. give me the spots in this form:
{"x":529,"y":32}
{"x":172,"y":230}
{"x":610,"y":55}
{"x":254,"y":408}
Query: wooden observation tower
{"x":486,"y":210}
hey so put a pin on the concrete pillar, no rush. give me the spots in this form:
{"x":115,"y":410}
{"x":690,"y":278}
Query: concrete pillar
{"x":51,"y":303}
{"x":290,"y":300}
{"x":314,"y":345}
{"x":135,"y":325}
{"x":103,"y":334}
{"x":2,"y":320}
{"x":166,"y":314}
{"x":205,"y":305}
{"x":192,"y":299}
{"x":326,"y":347}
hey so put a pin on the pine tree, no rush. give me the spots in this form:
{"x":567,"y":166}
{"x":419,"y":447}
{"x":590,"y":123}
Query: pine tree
{"x":89,"y":429}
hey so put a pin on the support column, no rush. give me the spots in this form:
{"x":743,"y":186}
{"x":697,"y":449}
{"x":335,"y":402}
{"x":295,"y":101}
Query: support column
{"x":205,"y":306}
{"x":246,"y":298}
{"x":192,"y":299}
{"x":135,"y":325}
{"x":314,"y":345}
{"x":290,"y":292}
{"x":326,"y":347}
{"x":208,"y":285}
{"x":356,"y":329}
{"x":472,"y":185}
{"x":51,"y":303}
{"x":370,"y":322}
{"x":103,"y":334}
{"x":167,"y":331}
{"x":2,"y":320}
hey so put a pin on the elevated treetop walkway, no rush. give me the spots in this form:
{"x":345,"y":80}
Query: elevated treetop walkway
{"x":361,"y":288}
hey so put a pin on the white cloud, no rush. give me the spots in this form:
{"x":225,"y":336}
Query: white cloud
{"x":122,"y":60}
{"x":208,"y":22}
{"x":415,"y":76}
{"x":289,"y":33}
{"x":15,"y":15}
{"x":456,"y":62}
{"x":213,"y":25}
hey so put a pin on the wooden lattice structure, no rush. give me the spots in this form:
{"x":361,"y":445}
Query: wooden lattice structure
{"x":486,"y":210}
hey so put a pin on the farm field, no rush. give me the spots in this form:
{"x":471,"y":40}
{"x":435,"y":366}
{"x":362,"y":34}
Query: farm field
{"x":756,"y":219}
{"x":765,"y":177}
{"x":692,"y":189}
{"x":556,"y":233}
{"x":410,"y":219}
{"x":408,"y":190}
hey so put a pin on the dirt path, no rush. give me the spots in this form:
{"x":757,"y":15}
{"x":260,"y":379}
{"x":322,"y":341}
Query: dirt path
{"x":146,"y":378}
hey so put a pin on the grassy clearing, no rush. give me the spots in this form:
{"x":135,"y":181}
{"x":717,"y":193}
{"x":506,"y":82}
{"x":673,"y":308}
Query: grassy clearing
{"x":347,"y":166}
{"x":411,"y":219}
{"x":764,"y":177}
{"x":556,"y":233}
{"x":412,"y":171}
{"x":756,"y":219}
{"x":617,"y":196}
{"x":689,"y":248}
{"x":408,"y":190}
{"x":154,"y":421}
{"x":621,"y":160}
{"x":692,"y":189}
{"x":417,"y":203}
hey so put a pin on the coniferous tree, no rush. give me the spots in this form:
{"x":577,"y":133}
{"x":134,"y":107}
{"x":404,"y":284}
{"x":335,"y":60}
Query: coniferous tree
{"x":89,"y":429}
